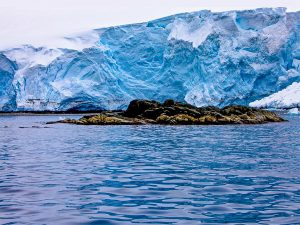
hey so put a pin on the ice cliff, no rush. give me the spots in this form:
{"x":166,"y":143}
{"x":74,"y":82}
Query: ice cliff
{"x":204,"y":58}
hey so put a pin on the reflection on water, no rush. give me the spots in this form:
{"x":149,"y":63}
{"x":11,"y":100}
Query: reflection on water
{"x":68,"y":174}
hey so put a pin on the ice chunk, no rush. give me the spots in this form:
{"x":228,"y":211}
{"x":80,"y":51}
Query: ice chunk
{"x":294,"y":111}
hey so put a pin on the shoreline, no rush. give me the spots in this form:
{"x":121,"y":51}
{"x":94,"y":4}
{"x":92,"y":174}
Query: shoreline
{"x":76,"y":113}
{"x":49,"y":113}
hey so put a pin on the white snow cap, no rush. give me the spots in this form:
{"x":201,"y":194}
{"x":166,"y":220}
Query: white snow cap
{"x":44,"y":22}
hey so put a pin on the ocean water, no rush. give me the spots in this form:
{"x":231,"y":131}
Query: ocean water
{"x":68,"y":174}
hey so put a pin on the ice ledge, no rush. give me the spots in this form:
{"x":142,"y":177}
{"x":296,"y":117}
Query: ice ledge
{"x":286,"y":98}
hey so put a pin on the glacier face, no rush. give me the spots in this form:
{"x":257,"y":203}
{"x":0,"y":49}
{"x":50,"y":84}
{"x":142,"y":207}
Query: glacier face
{"x":204,"y":58}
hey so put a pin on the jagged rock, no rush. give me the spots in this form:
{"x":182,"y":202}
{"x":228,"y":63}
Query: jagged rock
{"x":138,"y":107}
{"x":169,"y":102}
{"x":175,"y":113}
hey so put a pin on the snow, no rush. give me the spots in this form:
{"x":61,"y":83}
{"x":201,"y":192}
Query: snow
{"x":294,"y":111}
{"x":30,"y":57}
{"x":286,"y":98}
{"x":77,"y":41}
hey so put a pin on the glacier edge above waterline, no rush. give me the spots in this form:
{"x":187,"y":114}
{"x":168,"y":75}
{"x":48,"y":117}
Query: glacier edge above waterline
{"x":203,"y":58}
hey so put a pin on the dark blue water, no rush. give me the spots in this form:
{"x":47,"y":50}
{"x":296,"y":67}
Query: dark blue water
{"x":68,"y":174}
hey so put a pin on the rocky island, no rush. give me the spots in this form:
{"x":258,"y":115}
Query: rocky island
{"x":141,"y":112}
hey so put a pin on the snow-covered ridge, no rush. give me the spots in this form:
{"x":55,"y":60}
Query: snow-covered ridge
{"x":286,"y":98}
{"x":30,"y":56}
{"x":204,"y":58}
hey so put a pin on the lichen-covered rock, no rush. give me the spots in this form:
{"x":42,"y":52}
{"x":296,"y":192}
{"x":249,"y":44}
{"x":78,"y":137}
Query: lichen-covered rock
{"x":175,"y":113}
{"x":103,"y":119}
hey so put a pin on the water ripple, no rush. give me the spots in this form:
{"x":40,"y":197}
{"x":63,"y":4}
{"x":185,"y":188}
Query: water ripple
{"x":148,"y":174}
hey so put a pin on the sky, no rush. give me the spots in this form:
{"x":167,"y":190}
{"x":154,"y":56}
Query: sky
{"x":41,"y":22}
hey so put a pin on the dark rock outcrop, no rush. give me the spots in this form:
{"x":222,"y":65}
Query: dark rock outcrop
{"x":176,"y":113}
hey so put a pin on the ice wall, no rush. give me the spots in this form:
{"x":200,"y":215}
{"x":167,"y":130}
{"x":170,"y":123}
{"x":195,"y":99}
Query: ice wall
{"x":203,"y":58}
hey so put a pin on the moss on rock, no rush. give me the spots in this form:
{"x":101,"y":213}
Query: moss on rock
{"x":176,"y":113}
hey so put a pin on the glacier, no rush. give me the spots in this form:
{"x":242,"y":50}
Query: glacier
{"x":203,"y":58}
